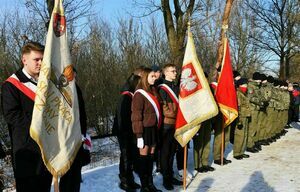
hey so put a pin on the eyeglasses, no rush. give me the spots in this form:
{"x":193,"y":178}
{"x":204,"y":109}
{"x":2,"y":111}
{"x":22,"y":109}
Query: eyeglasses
{"x":173,"y":71}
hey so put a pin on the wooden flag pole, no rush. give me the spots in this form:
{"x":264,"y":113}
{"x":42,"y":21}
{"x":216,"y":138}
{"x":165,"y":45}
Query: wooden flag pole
{"x":184,"y":167}
{"x":222,"y":143}
{"x":55,"y":181}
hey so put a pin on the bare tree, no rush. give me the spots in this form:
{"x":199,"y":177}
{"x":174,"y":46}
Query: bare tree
{"x":130,"y":45}
{"x":245,"y":55}
{"x":157,"y":50}
{"x":176,"y":17}
{"x":176,"y":26}
{"x":278,"y":24}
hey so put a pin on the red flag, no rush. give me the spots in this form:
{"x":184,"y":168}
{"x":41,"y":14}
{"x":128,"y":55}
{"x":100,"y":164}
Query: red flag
{"x":226,"y":93}
{"x":196,"y":102}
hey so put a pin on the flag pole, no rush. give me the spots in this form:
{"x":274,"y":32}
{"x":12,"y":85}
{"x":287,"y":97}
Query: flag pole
{"x":184,"y":168}
{"x":222,"y":143}
{"x":55,"y":181}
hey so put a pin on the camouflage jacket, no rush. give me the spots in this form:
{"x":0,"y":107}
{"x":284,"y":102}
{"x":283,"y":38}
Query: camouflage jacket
{"x":243,"y":104}
{"x":255,"y":96}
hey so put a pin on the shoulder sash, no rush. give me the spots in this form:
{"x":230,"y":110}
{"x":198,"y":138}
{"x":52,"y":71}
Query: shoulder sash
{"x":170,"y":92}
{"x":27,"y":88}
{"x":127,"y":93}
{"x":154,"y":102}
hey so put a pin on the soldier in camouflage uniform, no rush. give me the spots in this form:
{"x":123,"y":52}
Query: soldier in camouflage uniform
{"x":201,"y":147}
{"x":271,"y":111}
{"x":256,"y":101}
{"x":286,"y":104}
{"x":201,"y":143}
{"x":241,"y":126}
{"x":263,"y":115}
{"x":277,"y":107}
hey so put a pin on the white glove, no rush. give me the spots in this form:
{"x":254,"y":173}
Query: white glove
{"x":140,"y":143}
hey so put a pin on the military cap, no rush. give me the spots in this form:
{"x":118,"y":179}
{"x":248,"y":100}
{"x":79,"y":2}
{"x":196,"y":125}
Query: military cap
{"x":256,"y":76}
{"x":270,"y":79}
{"x":276,"y":82}
{"x":263,"y":77}
{"x":241,"y":81}
{"x":236,"y":74}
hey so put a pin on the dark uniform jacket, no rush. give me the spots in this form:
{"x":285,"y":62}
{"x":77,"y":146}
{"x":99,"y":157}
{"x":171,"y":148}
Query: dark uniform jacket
{"x":17,"y":109}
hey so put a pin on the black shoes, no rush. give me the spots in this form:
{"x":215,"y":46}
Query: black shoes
{"x":252,"y":150}
{"x":202,"y":170}
{"x":205,"y":169}
{"x":225,"y":161}
{"x":129,"y":187}
{"x":239,"y":157}
{"x":209,"y":168}
{"x":169,"y":182}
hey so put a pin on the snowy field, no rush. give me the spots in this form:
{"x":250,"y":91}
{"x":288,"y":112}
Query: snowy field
{"x":275,"y":168}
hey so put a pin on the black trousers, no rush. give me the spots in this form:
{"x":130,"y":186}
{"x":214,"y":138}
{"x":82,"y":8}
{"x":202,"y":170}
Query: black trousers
{"x":128,"y":158}
{"x":167,"y":150}
{"x":38,"y":183}
{"x":70,"y":182}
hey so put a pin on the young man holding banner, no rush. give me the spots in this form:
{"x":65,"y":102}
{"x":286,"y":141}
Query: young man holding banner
{"x":18,"y":93}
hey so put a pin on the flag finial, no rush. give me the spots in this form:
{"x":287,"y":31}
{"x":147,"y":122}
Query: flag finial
{"x":225,"y":28}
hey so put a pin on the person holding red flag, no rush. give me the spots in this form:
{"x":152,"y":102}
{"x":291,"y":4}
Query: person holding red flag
{"x":227,"y":100}
{"x":146,"y":119}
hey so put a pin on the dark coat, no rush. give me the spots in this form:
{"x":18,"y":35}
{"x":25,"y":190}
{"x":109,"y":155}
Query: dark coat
{"x":122,"y":123}
{"x":17,"y":109}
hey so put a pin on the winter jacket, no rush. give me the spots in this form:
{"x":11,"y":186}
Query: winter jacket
{"x":143,"y":114}
{"x":122,"y":127}
{"x":169,"y":107}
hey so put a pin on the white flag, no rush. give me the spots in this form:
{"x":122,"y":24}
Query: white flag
{"x":55,"y":122}
{"x":196,"y":102}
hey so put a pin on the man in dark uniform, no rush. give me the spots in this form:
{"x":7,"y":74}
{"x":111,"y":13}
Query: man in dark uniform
{"x":18,"y":93}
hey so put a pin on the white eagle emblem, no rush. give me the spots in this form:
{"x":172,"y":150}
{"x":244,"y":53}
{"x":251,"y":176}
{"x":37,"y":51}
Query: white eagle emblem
{"x":187,"y":80}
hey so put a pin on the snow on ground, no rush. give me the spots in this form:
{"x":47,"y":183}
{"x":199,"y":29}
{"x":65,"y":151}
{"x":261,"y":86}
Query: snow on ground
{"x":275,"y":168}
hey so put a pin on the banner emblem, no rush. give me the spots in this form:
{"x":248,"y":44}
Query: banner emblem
{"x":59,"y":24}
{"x":189,"y":82}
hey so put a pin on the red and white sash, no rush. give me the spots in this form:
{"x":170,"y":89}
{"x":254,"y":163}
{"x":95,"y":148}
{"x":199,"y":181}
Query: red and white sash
{"x":127,"y":93}
{"x":154,"y":102}
{"x":170,"y":92}
{"x":27,"y":88}
{"x":214,"y":85}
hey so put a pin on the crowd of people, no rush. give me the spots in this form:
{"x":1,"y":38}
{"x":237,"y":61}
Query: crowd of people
{"x":266,"y":108}
{"x":145,"y":125}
